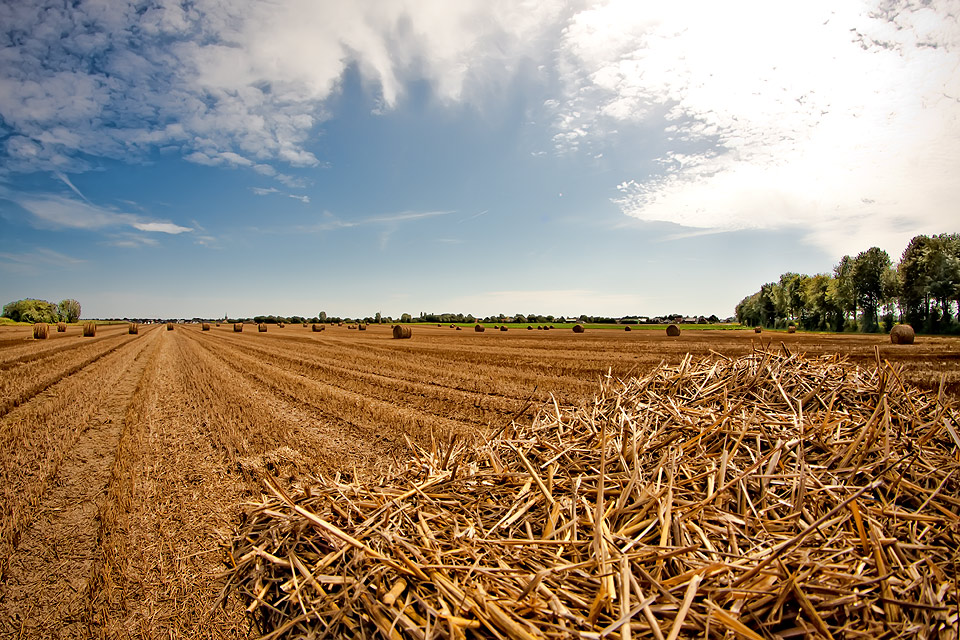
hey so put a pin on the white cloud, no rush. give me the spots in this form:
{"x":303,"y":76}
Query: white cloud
{"x":161,"y":227}
{"x":831,"y":119}
{"x":303,"y":199}
{"x":59,"y":212}
{"x":235,"y":84}
{"x":261,"y":191}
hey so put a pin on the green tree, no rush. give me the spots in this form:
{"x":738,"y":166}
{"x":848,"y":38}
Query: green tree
{"x":914,"y":282}
{"x":69,"y":310}
{"x":323,"y":316}
{"x":405,"y":317}
{"x":869,"y":269}
{"x":379,"y":318}
{"x":844,"y":295}
{"x":31,"y":310}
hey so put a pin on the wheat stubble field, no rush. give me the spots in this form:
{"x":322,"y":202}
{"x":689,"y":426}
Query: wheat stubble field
{"x":126,"y":458}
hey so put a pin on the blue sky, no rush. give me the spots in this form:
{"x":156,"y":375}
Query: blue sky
{"x":616,"y":158}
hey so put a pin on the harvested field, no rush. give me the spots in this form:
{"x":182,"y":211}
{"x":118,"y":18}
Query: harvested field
{"x":129,"y":459}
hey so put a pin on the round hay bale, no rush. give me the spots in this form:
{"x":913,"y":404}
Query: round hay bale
{"x":452,"y":326}
{"x":402,"y":331}
{"x":902,"y":334}
{"x":317,"y":327}
{"x":673,"y":331}
{"x":61,"y":327}
{"x":205,"y":326}
{"x":503,"y":328}
{"x":40,"y":330}
{"x":550,"y":327}
{"x":458,"y":328}
{"x":627,"y":328}
{"x":262,"y":328}
{"x":133,"y":328}
{"x":529,"y":328}
{"x":304,"y":325}
{"x":218,"y":324}
{"x":757,"y":329}
{"x":792,"y":329}
{"x":578,"y":328}
{"x":89,"y":329}
{"x":169,"y":326}
{"x":237,"y":327}
{"x":362,"y":327}
{"x":479,"y":328}
{"x":439,"y":325}
{"x":280,"y":325}
{"x":539,"y":327}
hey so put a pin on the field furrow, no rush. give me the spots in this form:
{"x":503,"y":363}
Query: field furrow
{"x":54,"y":545}
{"x":21,"y":383}
{"x":37,"y":436}
{"x":391,"y":382}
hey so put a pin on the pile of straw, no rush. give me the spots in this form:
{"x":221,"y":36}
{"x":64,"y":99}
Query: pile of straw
{"x":770,"y":495}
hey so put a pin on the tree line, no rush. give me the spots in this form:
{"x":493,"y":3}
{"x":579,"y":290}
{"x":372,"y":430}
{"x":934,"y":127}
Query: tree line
{"x":868,"y":292}
{"x":33,"y":310}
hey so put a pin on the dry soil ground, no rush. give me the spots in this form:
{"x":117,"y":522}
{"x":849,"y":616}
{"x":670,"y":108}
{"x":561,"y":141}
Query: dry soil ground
{"x":125,"y":458}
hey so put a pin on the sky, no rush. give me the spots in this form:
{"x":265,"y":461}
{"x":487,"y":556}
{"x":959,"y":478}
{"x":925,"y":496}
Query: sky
{"x":206,"y":158}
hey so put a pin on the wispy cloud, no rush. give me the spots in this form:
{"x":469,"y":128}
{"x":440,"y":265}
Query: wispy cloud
{"x":261,"y":191}
{"x":59,"y":212}
{"x":330,"y":222}
{"x":303,"y":199}
{"x":29,"y":261}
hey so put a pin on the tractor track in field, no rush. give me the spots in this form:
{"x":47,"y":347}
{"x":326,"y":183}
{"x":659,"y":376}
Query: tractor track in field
{"x":15,"y":399}
{"x":12,"y":357}
{"x":360,"y":442}
{"x":443,"y":402}
{"x":46,"y":585}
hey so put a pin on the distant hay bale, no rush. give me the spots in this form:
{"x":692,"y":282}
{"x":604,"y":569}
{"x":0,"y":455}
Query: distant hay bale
{"x":61,"y":327}
{"x":318,"y":327}
{"x":529,"y":328}
{"x":402,"y":331}
{"x":539,"y":327}
{"x":89,"y":329}
{"x":578,"y":328}
{"x":237,"y":327}
{"x":550,"y":327}
{"x":503,"y":328}
{"x":304,"y":325}
{"x":627,"y":328}
{"x":479,"y":328}
{"x":673,"y":331}
{"x":362,"y":327}
{"x":458,"y":328}
{"x":262,"y":328}
{"x":792,"y":329}
{"x":280,"y":325}
{"x":218,"y":324}
{"x":133,"y":328}
{"x":339,"y":324}
{"x":439,"y":325}
{"x":40,"y":331}
{"x":205,"y":326}
{"x":169,"y":326}
{"x":902,"y":334}
{"x":757,"y":329}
